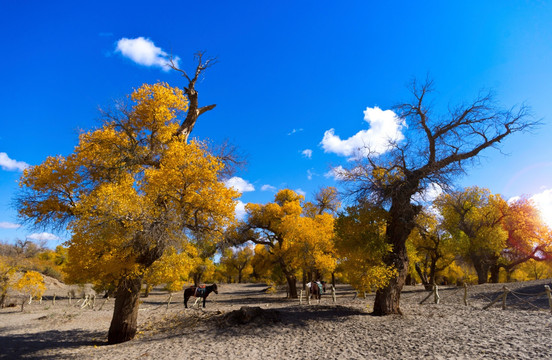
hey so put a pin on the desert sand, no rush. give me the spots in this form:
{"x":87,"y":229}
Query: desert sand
{"x":286,"y":329}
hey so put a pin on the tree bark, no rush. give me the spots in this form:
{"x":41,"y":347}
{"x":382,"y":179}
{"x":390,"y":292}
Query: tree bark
{"x":292,"y":286}
{"x":481,"y":268}
{"x":423,"y":277}
{"x":125,"y":315}
{"x":495,"y":273}
{"x":148,"y":289}
{"x":401,"y":223}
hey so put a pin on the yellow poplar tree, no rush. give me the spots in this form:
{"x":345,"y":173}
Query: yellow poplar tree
{"x":264,"y":267}
{"x":361,"y":246}
{"x":7,"y":272}
{"x":172,"y":268}
{"x":295,"y":239}
{"x":32,"y":284}
{"x":474,"y":217}
{"x":238,"y":263}
{"x":131,"y":189}
{"x":435,"y":249}
{"x":528,"y":237}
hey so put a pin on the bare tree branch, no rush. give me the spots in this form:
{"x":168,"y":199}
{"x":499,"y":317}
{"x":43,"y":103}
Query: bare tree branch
{"x":194,"y":110}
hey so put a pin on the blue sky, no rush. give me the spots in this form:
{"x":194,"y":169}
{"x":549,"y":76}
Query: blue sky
{"x":287,"y":73}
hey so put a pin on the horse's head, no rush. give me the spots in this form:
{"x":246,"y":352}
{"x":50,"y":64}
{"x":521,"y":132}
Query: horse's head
{"x":215,"y":288}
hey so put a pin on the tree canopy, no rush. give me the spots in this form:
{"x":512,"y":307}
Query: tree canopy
{"x":435,"y":149}
{"x":296,"y":234}
{"x":131,"y":189}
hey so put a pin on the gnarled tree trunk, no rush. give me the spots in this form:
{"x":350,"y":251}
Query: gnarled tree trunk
{"x":423,"y":277}
{"x":125,"y":314}
{"x":292,"y":286}
{"x":495,"y":273}
{"x":401,"y":223}
{"x":481,"y":268}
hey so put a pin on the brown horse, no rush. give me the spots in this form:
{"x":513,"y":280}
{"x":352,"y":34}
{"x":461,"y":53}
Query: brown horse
{"x":199,"y":292}
{"x":316,"y":288}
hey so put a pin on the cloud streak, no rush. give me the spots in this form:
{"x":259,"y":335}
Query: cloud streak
{"x":8,"y":225}
{"x":294,"y":131}
{"x":43,"y":236}
{"x":268,"y":187}
{"x":144,"y":52}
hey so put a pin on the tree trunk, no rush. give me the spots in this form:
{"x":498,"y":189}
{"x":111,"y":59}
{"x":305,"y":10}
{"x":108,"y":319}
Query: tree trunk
{"x":148,"y":289}
{"x":291,"y":279}
{"x":423,"y":277}
{"x":197,"y":278}
{"x":3,"y":299}
{"x":432,"y":270}
{"x":125,"y":315}
{"x":292,"y":286}
{"x":401,"y":223}
{"x":388,"y":298}
{"x":495,"y":274}
{"x":509,"y":272}
{"x":481,"y":268}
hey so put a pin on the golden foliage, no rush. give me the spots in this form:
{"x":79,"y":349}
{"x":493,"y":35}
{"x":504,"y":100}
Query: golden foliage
{"x":237,"y":264}
{"x":32,"y":284}
{"x":171,"y":269}
{"x":361,"y":245}
{"x":474,"y":218}
{"x":130,"y":190}
{"x":7,"y":279}
{"x":294,"y":239}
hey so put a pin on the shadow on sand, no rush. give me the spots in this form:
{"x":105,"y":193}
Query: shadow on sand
{"x":45,"y":345}
{"x":529,"y":297}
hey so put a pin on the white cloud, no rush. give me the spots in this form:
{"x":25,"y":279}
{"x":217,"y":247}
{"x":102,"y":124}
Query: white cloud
{"x":307,"y":153}
{"x":300,"y":192}
{"x":239,"y":184}
{"x":309,"y":174}
{"x":267,"y":187}
{"x":43,"y":236}
{"x":8,"y":225}
{"x":144,"y":52}
{"x":11,"y":165}
{"x":337,"y":173}
{"x":513,"y":199}
{"x":543,"y":201}
{"x":385,"y":127}
{"x":240,"y":210}
{"x":429,"y":194}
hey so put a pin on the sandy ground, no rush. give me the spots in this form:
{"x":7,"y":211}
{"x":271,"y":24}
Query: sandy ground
{"x":288,"y":330}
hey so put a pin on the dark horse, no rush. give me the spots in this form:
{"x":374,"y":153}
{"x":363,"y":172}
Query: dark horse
{"x":316,"y":288}
{"x":199,"y":292}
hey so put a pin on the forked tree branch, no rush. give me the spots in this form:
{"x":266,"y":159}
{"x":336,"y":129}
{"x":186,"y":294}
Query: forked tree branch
{"x":194,"y":110}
